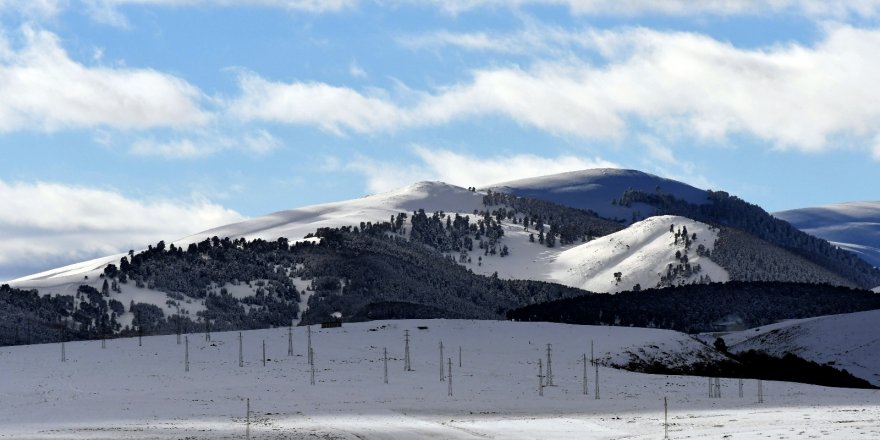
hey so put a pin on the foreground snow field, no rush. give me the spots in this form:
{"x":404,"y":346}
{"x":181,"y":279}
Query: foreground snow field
{"x":131,"y":392}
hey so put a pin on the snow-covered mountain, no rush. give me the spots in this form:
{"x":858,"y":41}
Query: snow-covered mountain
{"x":849,"y":341}
{"x":598,"y":190}
{"x":854,"y":226}
{"x":649,"y":253}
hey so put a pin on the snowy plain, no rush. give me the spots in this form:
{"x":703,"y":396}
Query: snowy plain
{"x":127,"y":391}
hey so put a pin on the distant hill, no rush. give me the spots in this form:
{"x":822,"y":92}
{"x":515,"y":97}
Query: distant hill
{"x":599,"y":190}
{"x":854,"y":226}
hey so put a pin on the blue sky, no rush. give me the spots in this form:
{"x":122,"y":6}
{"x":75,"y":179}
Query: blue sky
{"x":123,"y":122}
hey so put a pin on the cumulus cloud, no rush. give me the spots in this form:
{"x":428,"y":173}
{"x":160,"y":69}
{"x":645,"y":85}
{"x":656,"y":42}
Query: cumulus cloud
{"x":46,"y":224}
{"x":791,"y":96}
{"x":464,"y":169}
{"x":42,"y":88}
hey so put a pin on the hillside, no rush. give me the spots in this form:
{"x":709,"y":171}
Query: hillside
{"x":599,"y":190}
{"x":696,"y":308}
{"x":854,"y":226}
{"x":643,"y":255}
{"x":847,"y":341}
{"x":136,"y":391}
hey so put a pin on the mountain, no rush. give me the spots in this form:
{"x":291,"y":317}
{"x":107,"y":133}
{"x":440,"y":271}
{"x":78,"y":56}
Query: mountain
{"x":480,"y":253}
{"x":848,"y":341}
{"x":599,"y":190}
{"x":854,"y":226}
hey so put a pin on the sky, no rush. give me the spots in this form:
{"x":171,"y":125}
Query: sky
{"x":125,"y":122}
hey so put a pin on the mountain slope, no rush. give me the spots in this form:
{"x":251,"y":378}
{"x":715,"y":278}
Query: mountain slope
{"x":644,"y":255}
{"x":849,"y":341}
{"x":854,"y":226}
{"x":598,"y":189}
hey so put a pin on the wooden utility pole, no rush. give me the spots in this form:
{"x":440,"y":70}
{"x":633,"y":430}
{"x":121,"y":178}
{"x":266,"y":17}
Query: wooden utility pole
{"x":240,"y":351}
{"x":186,"y":356}
{"x":264,"y":352}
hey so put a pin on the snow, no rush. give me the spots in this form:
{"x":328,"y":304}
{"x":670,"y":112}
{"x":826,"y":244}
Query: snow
{"x":640,"y":252}
{"x":131,"y":392}
{"x":854,"y":226}
{"x":595,"y":189}
{"x":849,"y":341}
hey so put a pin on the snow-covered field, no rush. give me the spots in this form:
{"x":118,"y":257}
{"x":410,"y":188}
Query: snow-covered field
{"x":131,"y":392}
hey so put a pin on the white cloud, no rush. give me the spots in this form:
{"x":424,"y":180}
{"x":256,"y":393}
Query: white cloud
{"x":33,"y":9}
{"x":464,"y":169}
{"x":259,"y":142}
{"x":45,"y":224}
{"x":334,"y":109}
{"x":43,"y":89}
{"x":108,"y":11}
{"x":812,"y":8}
{"x":356,"y":71}
{"x":690,"y":85}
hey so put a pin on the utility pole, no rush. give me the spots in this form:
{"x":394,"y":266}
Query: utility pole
{"x":596,"y":364}
{"x":441,"y":362}
{"x":406,"y":361}
{"x":385,"y":361}
{"x":665,"y":419}
{"x":290,"y":340}
{"x":248,"y":420}
{"x":312,"y":357}
{"x":459,"y":356}
{"x":540,"y":378}
{"x":240,"y":351}
{"x":309,"y":337}
{"x":760,"y":391}
{"x":450,"y":376}
{"x":740,"y":388}
{"x":140,"y":335}
{"x":586,"y":390}
{"x":186,"y":356}
{"x":549,"y":366}
{"x":178,"y":324}
{"x":264,"y":352}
